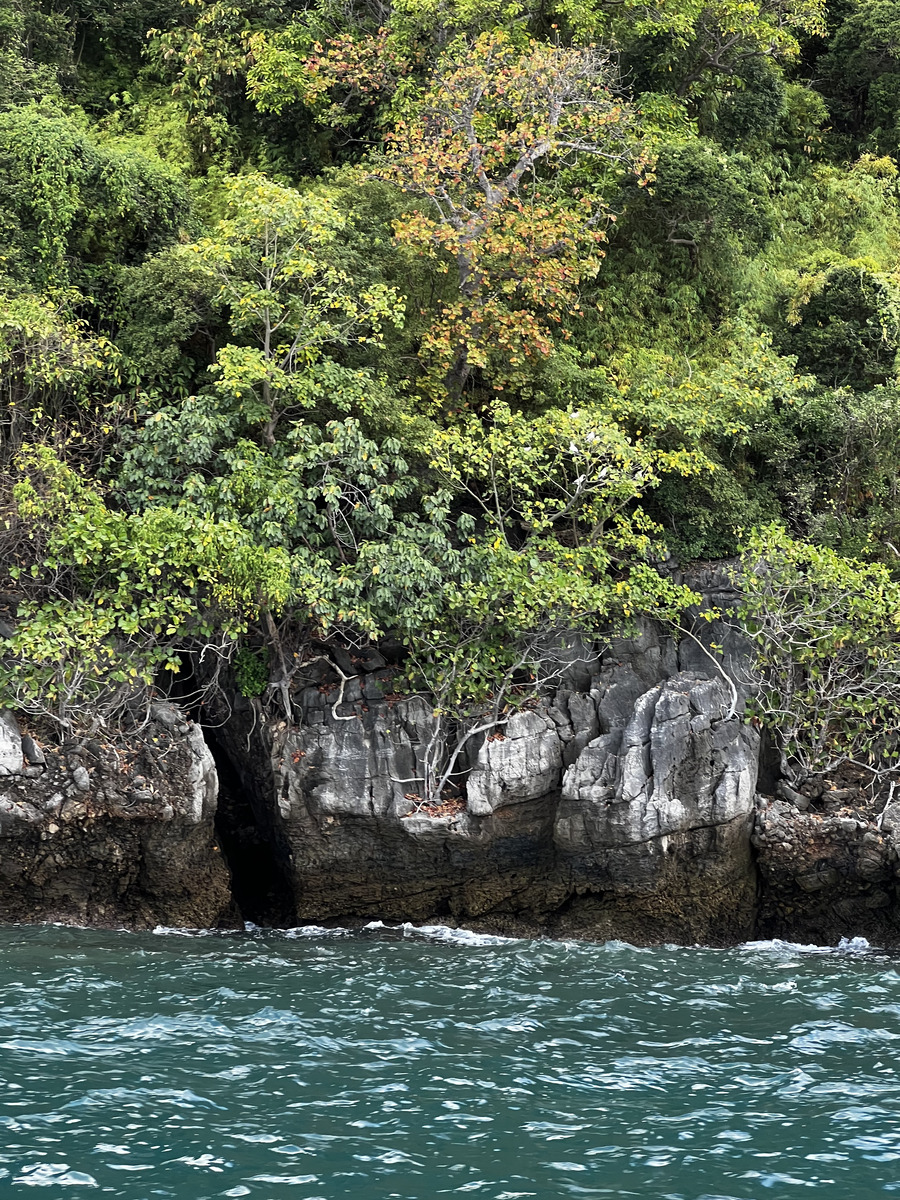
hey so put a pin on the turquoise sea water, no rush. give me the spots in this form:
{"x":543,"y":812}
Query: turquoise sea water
{"x":404,"y":1064}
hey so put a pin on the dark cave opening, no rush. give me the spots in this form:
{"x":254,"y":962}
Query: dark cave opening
{"x":260,"y":883}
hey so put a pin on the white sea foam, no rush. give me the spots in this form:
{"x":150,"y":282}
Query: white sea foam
{"x":468,"y":937}
{"x":313,"y":931}
{"x":443,"y":933}
{"x":438,"y":933}
{"x":179,"y":931}
{"x":855,"y":945}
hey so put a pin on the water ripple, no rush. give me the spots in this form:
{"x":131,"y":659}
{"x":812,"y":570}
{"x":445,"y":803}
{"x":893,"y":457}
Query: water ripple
{"x":409,"y":1064}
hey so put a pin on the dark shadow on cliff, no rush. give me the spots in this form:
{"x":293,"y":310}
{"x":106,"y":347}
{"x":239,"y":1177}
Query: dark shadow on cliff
{"x":259,"y":879}
{"x":770,"y":768}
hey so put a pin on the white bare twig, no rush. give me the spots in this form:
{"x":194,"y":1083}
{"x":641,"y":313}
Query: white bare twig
{"x":732,"y":687}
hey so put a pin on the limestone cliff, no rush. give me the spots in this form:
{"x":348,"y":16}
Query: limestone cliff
{"x":108,"y":832}
{"x":622,"y":809}
{"x":635,"y":801}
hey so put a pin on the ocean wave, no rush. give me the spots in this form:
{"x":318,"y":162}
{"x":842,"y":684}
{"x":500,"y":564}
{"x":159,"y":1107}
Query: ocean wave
{"x":854,"y":945}
{"x":444,"y":933}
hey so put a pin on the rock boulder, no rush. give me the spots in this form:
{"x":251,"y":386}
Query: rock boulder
{"x":111,"y":832}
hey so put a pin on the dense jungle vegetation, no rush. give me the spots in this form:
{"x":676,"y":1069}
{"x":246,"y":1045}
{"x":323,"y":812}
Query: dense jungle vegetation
{"x":450,"y":322}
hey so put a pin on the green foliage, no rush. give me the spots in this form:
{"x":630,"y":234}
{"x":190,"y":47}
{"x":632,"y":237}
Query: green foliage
{"x":68,"y":198}
{"x":206,"y":56}
{"x":710,"y":203}
{"x":167,"y":321}
{"x":34,"y":45}
{"x":445,"y":320}
{"x":268,"y":260}
{"x":47,"y":356}
{"x":110,"y":598}
{"x":832,"y":459}
{"x":825,"y":218}
{"x":753,"y":107}
{"x":723,"y":396}
{"x":251,"y":671}
{"x":827,"y":634}
{"x":847,"y":331}
{"x":861,"y":73}
{"x":804,"y":113}
{"x":546,"y":551}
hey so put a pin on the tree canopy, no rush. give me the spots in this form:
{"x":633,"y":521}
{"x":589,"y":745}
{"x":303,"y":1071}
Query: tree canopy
{"x":453,"y":326}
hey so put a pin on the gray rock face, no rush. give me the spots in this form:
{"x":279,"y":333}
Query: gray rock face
{"x":358,"y":766}
{"x":619,"y":807}
{"x":10,"y":745}
{"x":678,"y":764}
{"x":196,"y":800}
{"x":109,"y":833}
{"x":623,"y":805}
{"x":829,"y":875}
{"x":524,"y":762}
{"x":655,"y":820}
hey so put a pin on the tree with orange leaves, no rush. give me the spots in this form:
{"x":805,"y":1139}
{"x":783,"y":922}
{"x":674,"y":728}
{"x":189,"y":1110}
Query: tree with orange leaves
{"x":489,"y":150}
